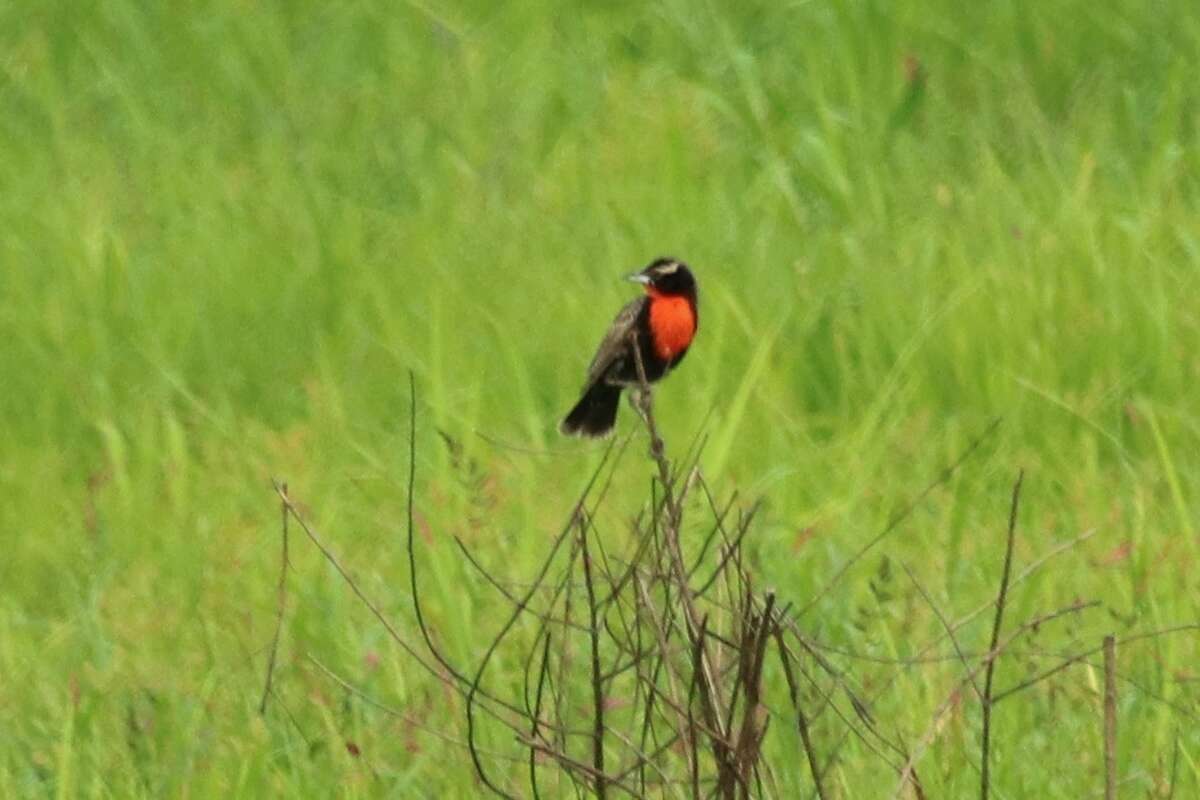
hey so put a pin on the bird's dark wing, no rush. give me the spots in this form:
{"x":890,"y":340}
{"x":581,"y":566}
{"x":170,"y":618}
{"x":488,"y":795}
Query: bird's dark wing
{"x":616,"y":342}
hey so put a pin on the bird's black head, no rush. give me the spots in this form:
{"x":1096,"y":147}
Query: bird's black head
{"x":667,"y":276}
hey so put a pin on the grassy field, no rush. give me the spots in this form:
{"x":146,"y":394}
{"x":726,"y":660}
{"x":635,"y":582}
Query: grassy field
{"x":229,"y":229}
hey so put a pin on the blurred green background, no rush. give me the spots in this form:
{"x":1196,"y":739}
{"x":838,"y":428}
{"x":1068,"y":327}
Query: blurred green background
{"x":228,"y":229}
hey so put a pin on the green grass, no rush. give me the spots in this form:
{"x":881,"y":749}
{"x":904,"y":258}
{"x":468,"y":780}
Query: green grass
{"x":228,"y":230}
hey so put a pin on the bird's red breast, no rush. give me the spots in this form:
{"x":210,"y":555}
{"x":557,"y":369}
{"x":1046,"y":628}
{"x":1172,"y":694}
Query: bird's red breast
{"x":672,"y":323}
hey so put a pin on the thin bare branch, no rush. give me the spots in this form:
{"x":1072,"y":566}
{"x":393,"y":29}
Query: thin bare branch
{"x":1110,"y":717}
{"x":537,"y":715}
{"x":1002,"y":596}
{"x":810,"y":752}
{"x":597,"y":681}
{"x":281,"y":602}
{"x":945,"y":626}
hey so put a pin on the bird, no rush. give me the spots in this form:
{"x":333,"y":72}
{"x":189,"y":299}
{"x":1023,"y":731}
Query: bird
{"x":661,"y":324}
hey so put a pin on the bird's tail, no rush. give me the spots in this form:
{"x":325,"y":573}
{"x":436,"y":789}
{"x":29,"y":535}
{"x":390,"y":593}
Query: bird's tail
{"x":595,"y":413}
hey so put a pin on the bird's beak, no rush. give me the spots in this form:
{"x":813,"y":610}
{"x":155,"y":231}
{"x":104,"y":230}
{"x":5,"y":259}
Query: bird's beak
{"x":638,"y":277}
